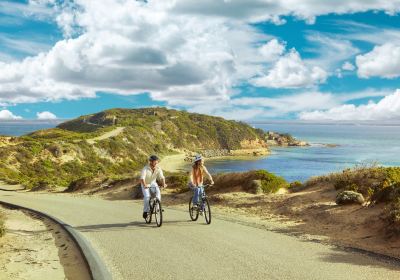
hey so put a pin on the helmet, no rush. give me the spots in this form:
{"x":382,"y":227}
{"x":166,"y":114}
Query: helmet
{"x":153,"y":158}
{"x":197,"y":158}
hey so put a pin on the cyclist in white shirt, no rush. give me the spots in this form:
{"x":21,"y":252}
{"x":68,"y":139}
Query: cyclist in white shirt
{"x":148,"y":178}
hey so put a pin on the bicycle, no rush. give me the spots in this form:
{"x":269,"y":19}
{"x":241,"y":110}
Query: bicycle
{"x":155,"y":208}
{"x":202,"y":209}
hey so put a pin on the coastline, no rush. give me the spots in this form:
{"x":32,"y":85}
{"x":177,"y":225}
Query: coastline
{"x":174,"y":163}
{"x":178,"y":162}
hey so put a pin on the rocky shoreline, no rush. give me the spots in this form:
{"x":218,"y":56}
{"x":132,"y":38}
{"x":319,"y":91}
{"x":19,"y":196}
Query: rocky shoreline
{"x":283,"y":139}
{"x":213,"y":153}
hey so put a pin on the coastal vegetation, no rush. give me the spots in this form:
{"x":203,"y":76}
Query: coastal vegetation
{"x":76,"y":149}
{"x":367,"y":185}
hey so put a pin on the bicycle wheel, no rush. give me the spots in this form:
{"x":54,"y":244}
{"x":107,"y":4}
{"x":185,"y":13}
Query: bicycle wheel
{"x":158,"y":212}
{"x":194,"y":213}
{"x":148,"y":218}
{"x":207,"y":211}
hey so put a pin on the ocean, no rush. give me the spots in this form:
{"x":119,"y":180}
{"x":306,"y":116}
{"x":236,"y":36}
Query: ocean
{"x":358,"y":143}
{"x":21,"y":127}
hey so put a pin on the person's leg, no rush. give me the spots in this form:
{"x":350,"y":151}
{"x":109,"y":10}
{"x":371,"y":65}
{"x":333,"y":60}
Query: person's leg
{"x":196,"y":192}
{"x":201,"y":190}
{"x":158,"y":192}
{"x":146,"y":199}
{"x":193,"y":189}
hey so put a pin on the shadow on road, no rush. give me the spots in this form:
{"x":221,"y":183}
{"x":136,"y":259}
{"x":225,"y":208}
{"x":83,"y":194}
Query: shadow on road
{"x":361,"y":258}
{"x":132,"y":225}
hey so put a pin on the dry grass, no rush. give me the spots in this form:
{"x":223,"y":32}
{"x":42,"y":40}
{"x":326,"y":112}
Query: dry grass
{"x":2,"y":224}
{"x":377,"y":184}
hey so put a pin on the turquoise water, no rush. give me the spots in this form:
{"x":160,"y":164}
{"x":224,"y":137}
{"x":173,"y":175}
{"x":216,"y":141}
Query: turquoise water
{"x":358,"y":144}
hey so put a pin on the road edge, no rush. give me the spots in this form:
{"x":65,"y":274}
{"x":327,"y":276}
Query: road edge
{"x":97,"y":268}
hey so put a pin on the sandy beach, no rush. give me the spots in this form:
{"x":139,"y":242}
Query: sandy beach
{"x":174,"y":163}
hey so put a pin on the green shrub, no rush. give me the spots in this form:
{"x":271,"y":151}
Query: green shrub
{"x":295,"y":184}
{"x":178,"y":181}
{"x":271,"y":183}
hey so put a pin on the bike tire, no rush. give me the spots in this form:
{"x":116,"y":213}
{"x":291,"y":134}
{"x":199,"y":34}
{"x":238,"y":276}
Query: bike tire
{"x":158,"y":214}
{"x":207,"y":211}
{"x":194,"y":214}
{"x":149,"y":215}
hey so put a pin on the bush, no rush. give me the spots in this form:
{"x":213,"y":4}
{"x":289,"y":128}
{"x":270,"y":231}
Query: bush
{"x":178,"y":181}
{"x":2,"y":224}
{"x":393,"y":218}
{"x":295,"y":184}
{"x":377,"y":184}
{"x":349,"y":197}
{"x":256,"y":187}
{"x":271,"y":183}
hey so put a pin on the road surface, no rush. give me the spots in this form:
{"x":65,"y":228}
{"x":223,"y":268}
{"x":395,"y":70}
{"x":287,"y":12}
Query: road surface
{"x":181,"y":249}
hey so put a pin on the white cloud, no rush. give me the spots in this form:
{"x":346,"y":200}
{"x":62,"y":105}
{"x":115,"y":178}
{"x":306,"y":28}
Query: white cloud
{"x":37,"y":9}
{"x":7,"y":115}
{"x":272,"y":50}
{"x":263,"y":10}
{"x":30,"y":47}
{"x":348,"y":66}
{"x":382,"y":61}
{"x":330,"y":50}
{"x":46,"y":115}
{"x":262,"y":108}
{"x":137,"y":48}
{"x":177,"y":50}
{"x":290,"y":71}
{"x":388,"y":108}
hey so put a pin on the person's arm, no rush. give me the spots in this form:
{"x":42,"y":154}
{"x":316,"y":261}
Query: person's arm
{"x":208,"y":175}
{"x":162,"y":178}
{"x":142,"y":177}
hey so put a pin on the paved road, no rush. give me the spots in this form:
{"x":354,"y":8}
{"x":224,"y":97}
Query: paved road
{"x":192,"y":250}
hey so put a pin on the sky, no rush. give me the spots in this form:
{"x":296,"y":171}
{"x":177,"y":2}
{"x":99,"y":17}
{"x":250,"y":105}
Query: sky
{"x":248,"y":60}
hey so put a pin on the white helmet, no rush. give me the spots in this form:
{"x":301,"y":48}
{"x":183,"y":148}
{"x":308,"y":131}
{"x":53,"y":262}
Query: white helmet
{"x":197,"y":158}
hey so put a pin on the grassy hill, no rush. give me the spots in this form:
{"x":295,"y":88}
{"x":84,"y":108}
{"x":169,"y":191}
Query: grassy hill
{"x":115,"y":143}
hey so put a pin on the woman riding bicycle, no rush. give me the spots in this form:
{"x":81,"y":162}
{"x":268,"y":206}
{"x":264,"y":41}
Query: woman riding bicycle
{"x":197,"y":178}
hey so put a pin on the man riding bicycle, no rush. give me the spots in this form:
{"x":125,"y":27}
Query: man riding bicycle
{"x":148,"y":178}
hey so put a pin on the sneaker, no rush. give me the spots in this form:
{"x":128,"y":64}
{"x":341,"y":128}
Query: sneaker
{"x":144,"y":215}
{"x":195,"y":206}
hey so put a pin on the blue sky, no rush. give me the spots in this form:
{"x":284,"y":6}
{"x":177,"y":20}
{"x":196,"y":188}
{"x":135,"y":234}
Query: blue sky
{"x":237,"y":59}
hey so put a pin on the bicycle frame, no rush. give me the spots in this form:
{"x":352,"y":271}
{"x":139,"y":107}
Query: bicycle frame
{"x":153,"y":196}
{"x":153,"y":202}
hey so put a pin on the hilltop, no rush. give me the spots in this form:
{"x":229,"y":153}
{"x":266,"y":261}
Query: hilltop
{"x":114,"y":143}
